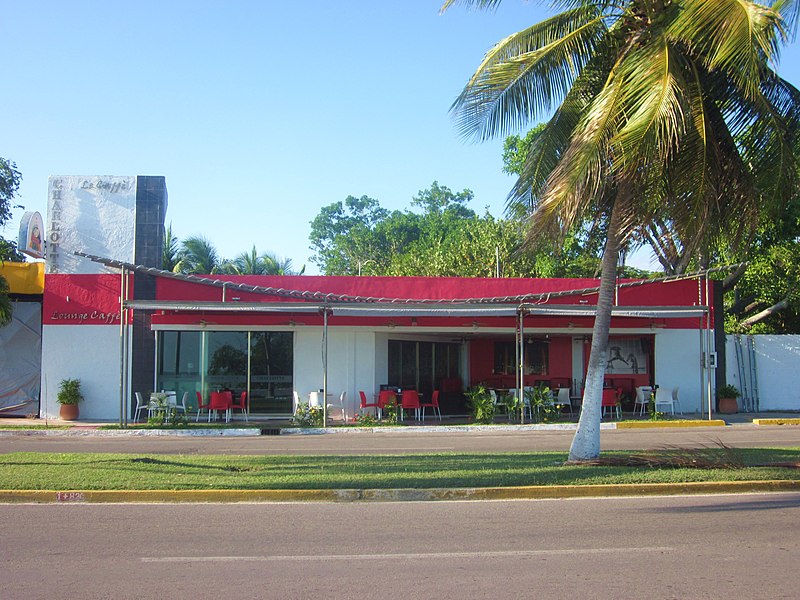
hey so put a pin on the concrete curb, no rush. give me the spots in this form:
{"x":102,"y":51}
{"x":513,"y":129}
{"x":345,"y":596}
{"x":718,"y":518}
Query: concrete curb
{"x":688,"y":423}
{"x":392,"y":495}
{"x":84,"y":431}
{"x":776,"y":421}
{"x":94,"y":432}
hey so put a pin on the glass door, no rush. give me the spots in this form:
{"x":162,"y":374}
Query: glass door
{"x":271,"y":368}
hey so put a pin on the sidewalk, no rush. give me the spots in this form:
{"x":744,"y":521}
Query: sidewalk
{"x":450,"y":424}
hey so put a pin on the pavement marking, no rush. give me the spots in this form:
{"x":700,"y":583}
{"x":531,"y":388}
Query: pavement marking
{"x":404,"y":555}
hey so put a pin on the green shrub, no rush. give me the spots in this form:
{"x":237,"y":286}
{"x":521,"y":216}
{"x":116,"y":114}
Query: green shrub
{"x":480,"y":404}
{"x":308,"y":416}
{"x":69,"y":391}
{"x":728,"y":391}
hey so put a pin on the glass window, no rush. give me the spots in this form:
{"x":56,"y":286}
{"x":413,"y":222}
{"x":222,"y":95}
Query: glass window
{"x":537,"y":357}
{"x":179,"y":362}
{"x":422,"y":365}
{"x":227,"y":361}
{"x":194,"y":361}
{"x":271,"y":368}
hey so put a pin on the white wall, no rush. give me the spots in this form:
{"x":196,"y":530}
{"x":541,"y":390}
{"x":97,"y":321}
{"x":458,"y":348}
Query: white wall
{"x":677,"y":353}
{"x":88,"y":353}
{"x":777,"y":370}
{"x":351,"y":363}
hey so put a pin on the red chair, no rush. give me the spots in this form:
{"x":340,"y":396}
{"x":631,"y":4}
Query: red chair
{"x":611,"y":401}
{"x":220,"y":401}
{"x":364,"y":404}
{"x":385,"y":398}
{"x":200,"y":406}
{"x":434,"y":404}
{"x":409,"y":400}
{"x":240,"y":405}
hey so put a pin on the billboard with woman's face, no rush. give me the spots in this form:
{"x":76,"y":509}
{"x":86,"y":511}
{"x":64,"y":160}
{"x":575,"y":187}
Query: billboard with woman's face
{"x":31,"y":235}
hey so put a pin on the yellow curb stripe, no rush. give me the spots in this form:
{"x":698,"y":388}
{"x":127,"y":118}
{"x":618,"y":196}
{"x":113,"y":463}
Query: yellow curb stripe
{"x":649,"y":424}
{"x":776,"y":421}
{"x":395,"y":495}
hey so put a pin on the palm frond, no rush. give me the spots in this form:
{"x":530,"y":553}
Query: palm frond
{"x":524,"y":75}
{"x":198,"y":255}
{"x":729,"y":35}
{"x":482,"y":4}
{"x":653,"y":103}
{"x":789,"y":10}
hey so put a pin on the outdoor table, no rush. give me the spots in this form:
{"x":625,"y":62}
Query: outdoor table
{"x":315,"y":398}
{"x":220,"y":401}
{"x":158,"y":404}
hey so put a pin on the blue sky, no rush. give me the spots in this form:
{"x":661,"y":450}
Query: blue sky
{"x":258,"y":113}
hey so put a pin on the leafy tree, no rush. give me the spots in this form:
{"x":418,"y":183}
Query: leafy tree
{"x":10,"y":179}
{"x":653,"y":100}
{"x":439,"y":199}
{"x":446,"y":239}
{"x":342,"y":235}
{"x":5,"y":303}
{"x":764,"y":297}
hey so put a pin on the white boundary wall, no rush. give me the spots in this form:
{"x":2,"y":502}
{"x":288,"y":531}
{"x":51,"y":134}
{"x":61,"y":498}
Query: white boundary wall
{"x":677,"y":353}
{"x":88,"y":353}
{"x":777,"y":368}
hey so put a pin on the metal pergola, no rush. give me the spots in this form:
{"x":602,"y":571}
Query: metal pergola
{"x":327,"y":305}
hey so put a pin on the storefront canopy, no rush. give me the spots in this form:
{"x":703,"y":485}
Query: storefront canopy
{"x":308,"y":301}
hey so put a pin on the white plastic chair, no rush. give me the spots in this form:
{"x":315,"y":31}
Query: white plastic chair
{"x":339,"y":405}
{"x":643,"y":393}
{"x":563,"y":398}
{"x":141,"y":405}
{"x":526,"y":401}
{"x":498,"y":406}
{"x":295,"y":402}
{"x":675,"y":400}
{"x":182,"y":406}
{"x":664,"y":398}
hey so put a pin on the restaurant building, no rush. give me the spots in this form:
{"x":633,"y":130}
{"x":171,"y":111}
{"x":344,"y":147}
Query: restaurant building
{"x":111,"y":318}
{"x":269,"y":336}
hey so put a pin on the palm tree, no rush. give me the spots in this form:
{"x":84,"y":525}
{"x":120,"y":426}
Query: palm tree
{"x":246,"y":263}
{"x":281,"y":266}
{"x":169,"y":253}
{"x":665,"y":112}
{"x":251,"y":263}
{"x":197,"y":256}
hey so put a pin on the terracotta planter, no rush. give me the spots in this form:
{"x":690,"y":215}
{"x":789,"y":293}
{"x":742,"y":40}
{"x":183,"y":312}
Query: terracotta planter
{"x":728,"y":406}
{"x":68,"y":412}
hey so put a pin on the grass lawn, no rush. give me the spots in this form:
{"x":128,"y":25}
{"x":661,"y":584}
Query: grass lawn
{"x":79,"y":471}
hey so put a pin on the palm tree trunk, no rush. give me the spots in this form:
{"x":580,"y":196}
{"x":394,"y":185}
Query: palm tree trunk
{"x":586,"y":443}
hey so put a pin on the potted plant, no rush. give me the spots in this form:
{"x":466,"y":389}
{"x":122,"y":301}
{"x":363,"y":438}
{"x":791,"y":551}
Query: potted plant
{"x":727,"y":395}
{"x":69,"y":395}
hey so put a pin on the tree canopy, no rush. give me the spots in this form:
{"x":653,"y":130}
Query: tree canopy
{"x":10,"y":179}
{"x":447,"y":238}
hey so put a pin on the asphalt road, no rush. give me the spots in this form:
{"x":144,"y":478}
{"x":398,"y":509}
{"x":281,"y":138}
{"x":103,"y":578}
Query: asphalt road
{"x":399,"y":442}
{"x":742,"y":546}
